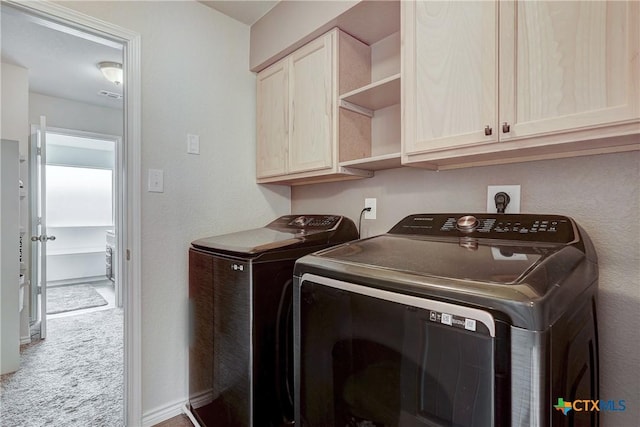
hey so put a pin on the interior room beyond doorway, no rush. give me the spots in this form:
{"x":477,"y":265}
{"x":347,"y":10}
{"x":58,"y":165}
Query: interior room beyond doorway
{"x":80,"y":213}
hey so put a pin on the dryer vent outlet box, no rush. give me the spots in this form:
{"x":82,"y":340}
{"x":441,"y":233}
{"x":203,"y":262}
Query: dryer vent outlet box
{"x":514,"y":198}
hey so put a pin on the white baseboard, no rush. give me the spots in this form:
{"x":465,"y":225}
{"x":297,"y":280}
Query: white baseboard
{"x":81,"y":280}
{"x":25,"y":340}
{"x":162,"y":413}
{"x":201,"y":399}
{"x":66,"y":282}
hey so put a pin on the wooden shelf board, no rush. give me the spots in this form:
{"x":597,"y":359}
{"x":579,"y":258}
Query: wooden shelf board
{"x":344,"y":173}
{"x":377,"y":95}
{"x":385,"y":161}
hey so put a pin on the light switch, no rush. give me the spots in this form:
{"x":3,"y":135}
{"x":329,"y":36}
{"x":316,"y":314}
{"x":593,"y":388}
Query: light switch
{"x":156,"y":180}
{"x":193,"y":144}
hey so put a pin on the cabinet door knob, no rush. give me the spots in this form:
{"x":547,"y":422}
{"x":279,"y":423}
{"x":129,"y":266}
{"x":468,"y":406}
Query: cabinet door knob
{"x":506,"y":128}
{"x":487,"y":130}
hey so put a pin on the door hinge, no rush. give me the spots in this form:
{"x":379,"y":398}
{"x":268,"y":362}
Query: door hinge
{"x":39,"y":151}
{"x":128,"y":255}
{"x":39,"y":290}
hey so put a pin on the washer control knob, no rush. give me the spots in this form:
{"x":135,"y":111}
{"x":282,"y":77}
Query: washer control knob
{"x":467,"y":223}
{"x":300,"y":221}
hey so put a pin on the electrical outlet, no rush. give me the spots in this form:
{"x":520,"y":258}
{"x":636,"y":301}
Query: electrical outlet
{"x":514,"y":195}
{"x":370,"y":203}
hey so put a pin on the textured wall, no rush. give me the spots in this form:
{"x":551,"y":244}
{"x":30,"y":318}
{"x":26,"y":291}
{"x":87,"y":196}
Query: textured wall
{"x":195,"y":79}
{"x":68,"y":114}
{"x":602,"y":193}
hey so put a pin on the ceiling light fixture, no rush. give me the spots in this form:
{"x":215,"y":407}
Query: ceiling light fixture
{"x":112,"y":71}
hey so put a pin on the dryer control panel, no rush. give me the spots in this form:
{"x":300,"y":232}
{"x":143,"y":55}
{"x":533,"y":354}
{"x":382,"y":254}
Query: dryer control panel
{"x":526,"y":227}
{"x":309,"y":222}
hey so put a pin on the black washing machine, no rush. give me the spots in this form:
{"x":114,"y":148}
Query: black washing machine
{"x":449,"y":320}
{"x":241,"y":343}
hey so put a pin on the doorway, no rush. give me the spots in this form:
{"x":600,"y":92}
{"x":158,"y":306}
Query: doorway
{"x":73,"y":372}
{"x":128,"y":235}
{"x":75,"y":178}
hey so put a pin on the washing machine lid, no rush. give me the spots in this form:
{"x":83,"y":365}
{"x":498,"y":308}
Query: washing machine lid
{"x":497,"y":249}
{"x":501,"y":264}
{"x":286,"y":232}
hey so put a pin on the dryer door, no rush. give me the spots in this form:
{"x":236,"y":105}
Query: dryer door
{"x":370,"y":357}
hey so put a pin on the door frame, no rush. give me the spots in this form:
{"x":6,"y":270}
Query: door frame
{"x":129,"y":233}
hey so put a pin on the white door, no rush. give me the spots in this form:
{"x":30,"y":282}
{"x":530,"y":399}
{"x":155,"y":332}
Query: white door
{"x":39,"y":235}
{"x":79,"y":196}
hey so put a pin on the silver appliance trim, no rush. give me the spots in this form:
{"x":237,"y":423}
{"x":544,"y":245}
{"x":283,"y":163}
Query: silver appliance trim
{"x":471,"y":313}
{"x":529,"y":378}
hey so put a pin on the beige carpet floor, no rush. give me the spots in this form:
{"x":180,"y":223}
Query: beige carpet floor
{"x":72,"y":378}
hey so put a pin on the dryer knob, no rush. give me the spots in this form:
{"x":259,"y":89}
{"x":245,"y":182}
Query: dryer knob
{"x":467,"y":223}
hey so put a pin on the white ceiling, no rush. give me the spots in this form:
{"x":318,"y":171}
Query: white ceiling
{"x":62,"y":62}
{"x":247,"y":12}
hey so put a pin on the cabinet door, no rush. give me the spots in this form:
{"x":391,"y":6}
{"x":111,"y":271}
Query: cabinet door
{"x":449,"y":83}
{"x":567,"y":65}
{"x":311,"y":95}
{"x":272,"y":135}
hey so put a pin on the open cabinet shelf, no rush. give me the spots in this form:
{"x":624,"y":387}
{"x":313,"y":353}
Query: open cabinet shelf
{"x":375,"y":96}
{"x":375,"y":163}
{"x":370,"y":112}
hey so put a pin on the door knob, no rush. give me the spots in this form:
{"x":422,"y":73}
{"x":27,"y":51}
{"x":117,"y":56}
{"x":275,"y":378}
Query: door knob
{"x":42,"y":238}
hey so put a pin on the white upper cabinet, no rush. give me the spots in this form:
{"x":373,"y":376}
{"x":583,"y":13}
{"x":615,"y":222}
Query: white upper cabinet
{"x":492,"y":82}
{"x":297,"y":116}
{"x":311,"y":97}
{"x":295,"y":113}
{"x":272,"y":120}
{"x":567,"y":65}
{"x":450,"y":63}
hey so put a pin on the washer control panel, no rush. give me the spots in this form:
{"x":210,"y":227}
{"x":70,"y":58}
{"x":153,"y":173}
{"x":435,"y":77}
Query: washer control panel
{"x":308,"y":222}
{"x":527,"y":227}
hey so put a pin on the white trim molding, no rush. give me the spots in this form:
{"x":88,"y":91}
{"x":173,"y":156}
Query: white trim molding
{"x":162,"y":413}
{"x":130,"y":214}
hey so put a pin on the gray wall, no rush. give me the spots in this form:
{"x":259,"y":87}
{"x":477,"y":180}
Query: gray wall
{"x":600,"y":192}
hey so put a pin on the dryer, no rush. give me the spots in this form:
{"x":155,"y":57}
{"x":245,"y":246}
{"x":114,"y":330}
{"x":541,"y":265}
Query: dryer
{"x":449,"y":320}
{"x":240,"y":295}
